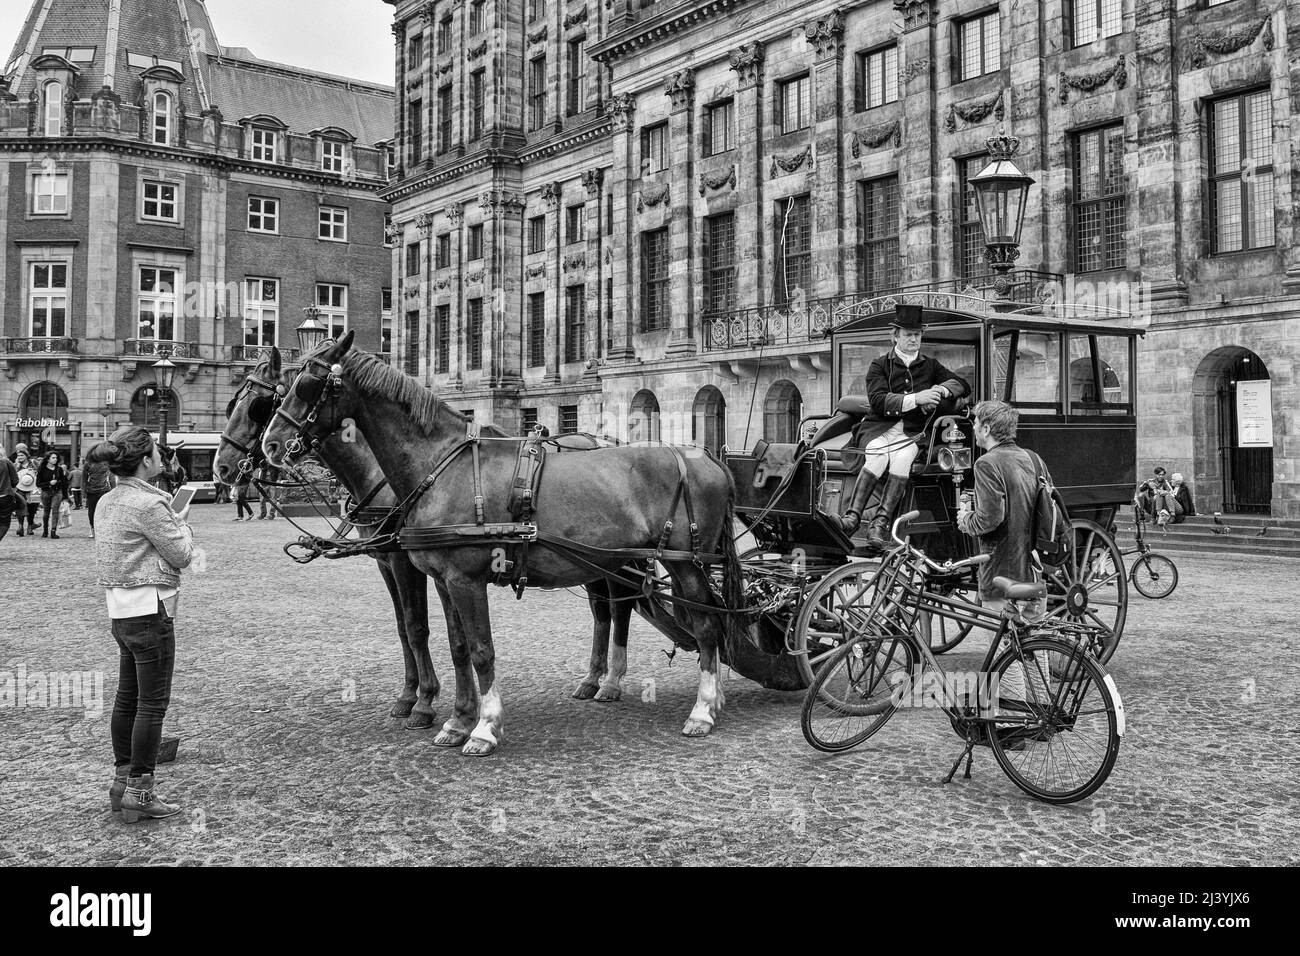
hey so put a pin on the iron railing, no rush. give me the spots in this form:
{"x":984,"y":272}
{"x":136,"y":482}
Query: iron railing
{"x":183,"y":350}
{"x":770,"y":326}
{"x":255,"y":354}
{"x":40,"y":345}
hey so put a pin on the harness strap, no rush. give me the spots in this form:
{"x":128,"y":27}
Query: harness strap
{"x":355,"y":511}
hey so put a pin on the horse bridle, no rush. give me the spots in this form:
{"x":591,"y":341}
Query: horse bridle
{"x":254,"y":456}
{"x":304,"y":439}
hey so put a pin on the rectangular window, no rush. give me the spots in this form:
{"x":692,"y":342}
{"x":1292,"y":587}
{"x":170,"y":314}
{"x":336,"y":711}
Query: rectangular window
{"x":476,"y":17}
{"x":1241,"y":172}
{"x":156,"y":304}
{"x":654,"y":280}
{"x":476,"y":87}
{"x":537,"y":329}
{"x":263,"y":145}
{"x":474,"y":334}
{"x":444,"y":35}
{"x":47,"y":300}
{"x":331,"y":156}
{"x":577,"y":75}
{"x":793,"y":244}
{"x":261,"y":311}
{"x":794,"y":102}
{"x":527,"y":420}
{"x":332,"y":300}
{"x":385,"y":300}
{"x":49,"y":194}
{"x":1097,"y":19}
{"x":1099,"y":200}
{"x":980,"y":45}
{"x":568,"y":419}
{"x":333,"y":223}
{"x":536,"y":8}
{"x":415,"y":130}
{"x":413,"y":259}
{"x":444,"y":119}
{"x":573,"y":231}
{"x":442,"y":252}
{"x":386,"y":338}
{"x":537,"y":93}
{"x":537,"y":234}
{"x":442,"y":327}
{"x":654,"y":149}
{"x":720,"y":263}
{"x":415,"y":52}
{"x":718,"y":128}
{"x":575,"y":334}
{"x":882,"y":260}
{"x":877,"y":78}
{"x":970,"y":236}
{"x":159,"y":201}
{"x":474,"y":242}
{"x":411,"y":344}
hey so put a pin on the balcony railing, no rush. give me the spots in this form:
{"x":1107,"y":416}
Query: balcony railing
{"x":255,"y":354}
{"x":182,"y":350}
{"x":769,"y":327}
{"x":60,"y":345}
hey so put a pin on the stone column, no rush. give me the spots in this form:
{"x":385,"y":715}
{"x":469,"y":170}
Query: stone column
{"x":593,"y":181}
{"x":680,"y":89}
{"x":1288,"y":233}
{"x":918,"y":182}
{"x":102,"y":320}
{"x":424,"y":347}
{"x":624,"y":154}
{"x":751,"y":277}
{"x":553,"y":196}
{"x":826,"y":36}
{"x":399,"y":97}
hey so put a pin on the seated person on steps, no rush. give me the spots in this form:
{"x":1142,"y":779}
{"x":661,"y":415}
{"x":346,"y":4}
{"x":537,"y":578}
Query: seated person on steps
{"x":904,"y":388}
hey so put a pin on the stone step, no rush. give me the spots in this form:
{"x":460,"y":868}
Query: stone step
{"x":1198,"y":537}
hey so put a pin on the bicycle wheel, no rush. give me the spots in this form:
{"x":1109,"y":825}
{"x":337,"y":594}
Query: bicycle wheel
{"x":837,"y":609}
{"x":1154,"y":575}
{"x":855,"y":691}
{"x":1059,"y":720}
{"x":1091,"y":587}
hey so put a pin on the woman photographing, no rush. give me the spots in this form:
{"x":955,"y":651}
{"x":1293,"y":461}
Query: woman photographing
{"x":141,"y":545}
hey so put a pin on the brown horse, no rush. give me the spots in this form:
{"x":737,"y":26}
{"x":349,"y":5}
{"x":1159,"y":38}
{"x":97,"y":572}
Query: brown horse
{"x":610,"y":499}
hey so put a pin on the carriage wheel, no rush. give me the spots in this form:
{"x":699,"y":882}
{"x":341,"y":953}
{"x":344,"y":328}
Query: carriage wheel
{"x":942,"y":633}
{"x":1092,"y":586}
{"x":834,"y":612}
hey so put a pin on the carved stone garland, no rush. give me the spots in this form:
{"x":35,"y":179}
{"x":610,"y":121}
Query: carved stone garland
{"x":1228,"y":41}
{"x":873,"y":137}
{"x":708,"y":182}
{"x":1087,"y":82}
{"x":791,"y":162}
{"x":974,"y":112}
{"x":651,"y":196}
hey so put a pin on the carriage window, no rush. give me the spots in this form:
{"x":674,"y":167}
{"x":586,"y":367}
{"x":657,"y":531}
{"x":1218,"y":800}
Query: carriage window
{"x":1099,"y":375}
{"x":960,"y":358}
{"x":1027,"y":370}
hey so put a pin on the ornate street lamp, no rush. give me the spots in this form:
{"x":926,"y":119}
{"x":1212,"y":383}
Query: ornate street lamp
{"x":1001,"y":189}
{"x":164,"y":374}
{"x":311,"y":333}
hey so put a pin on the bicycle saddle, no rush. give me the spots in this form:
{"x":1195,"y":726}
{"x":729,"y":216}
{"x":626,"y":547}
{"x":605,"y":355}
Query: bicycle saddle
{"x":1020,"y":590}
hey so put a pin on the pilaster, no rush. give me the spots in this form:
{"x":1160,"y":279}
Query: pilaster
{"x":751,"y":268}
{"x":920,"y":182}
{"x":621,"y":107}
{"x":826,"y":36}
{"x":680,"y":89}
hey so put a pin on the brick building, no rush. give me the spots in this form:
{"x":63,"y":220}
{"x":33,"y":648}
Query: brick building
{"x":650,"y":240}
{"x":159,"y":191}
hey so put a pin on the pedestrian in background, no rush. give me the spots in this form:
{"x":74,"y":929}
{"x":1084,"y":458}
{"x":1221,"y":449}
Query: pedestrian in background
{"x":242,"y":484}
{"x":52,"y":479}
{"x":140,"y":550}
{"x":19,"y":449}
{"x":96,"y":481}
{"x":74,"y":485}
{"x":27,"y":488}
{"x":9,"y":497}
{"x":1182,"y":499}
{"x":268,"y":493}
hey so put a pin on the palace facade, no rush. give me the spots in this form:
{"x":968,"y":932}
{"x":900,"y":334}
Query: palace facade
{"x":161,"y":192}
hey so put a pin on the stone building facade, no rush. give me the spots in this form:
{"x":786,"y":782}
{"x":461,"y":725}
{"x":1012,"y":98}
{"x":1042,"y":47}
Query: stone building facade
{"x":743,"y":168}
{"x":159,"y":191}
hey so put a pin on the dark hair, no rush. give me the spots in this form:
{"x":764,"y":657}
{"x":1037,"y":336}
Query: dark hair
{"x":1158,"y":470}
{"x":123,"y":450}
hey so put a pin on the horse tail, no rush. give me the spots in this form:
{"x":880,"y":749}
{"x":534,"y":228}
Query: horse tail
{"x":733,"y":577}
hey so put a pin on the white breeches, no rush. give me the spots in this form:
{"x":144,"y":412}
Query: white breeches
{"x":893,"y":451}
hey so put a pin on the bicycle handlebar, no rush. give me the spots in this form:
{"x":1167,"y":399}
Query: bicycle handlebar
{"x":947,"y":566}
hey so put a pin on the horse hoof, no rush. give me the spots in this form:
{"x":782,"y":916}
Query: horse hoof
{"x":420,"y":720}
{"x":697,"y":728}
{"x":402,"y":708}
{"x":586,"y":691}
{"x":475,"y":747}
{"x":609,"y":693}
{"x":450,"y":738}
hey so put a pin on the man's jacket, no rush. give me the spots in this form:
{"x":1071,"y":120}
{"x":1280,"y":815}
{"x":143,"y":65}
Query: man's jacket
{"x":889,"y":381}
{"x":1006,"y":487}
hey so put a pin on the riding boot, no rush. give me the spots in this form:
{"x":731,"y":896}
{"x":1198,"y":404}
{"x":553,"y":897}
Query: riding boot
{"x":895,"y":488}
{"x":139,"y":801}
{"x":118,"y":787}
{"x":852,"y":516}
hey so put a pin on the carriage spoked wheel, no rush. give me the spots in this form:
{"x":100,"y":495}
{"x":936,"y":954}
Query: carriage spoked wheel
{"x":942,"y":633}
{"x":1091,"y":587}
{"x":845,"y":604}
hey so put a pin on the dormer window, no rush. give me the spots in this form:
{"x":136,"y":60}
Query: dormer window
{"x":332,"y":155}
{"x":263,"y":144}
{"x":162,"y":119}
{"x":54,"y":108}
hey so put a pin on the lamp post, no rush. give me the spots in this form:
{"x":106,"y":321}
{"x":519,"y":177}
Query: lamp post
{"x":311,"y":333}
{"x":1001,"y":189}
{"x":164,"y":373}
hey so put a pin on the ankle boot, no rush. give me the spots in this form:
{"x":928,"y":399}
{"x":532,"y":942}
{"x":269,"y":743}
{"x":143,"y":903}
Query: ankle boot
{"x":852,"y":516}
{"x":139,"y":801}
{"x":895,"y":488}
{"x":118,"y":787}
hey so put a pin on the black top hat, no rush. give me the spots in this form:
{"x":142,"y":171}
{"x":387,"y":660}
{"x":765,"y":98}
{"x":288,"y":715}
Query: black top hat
{"x":907,"y":318}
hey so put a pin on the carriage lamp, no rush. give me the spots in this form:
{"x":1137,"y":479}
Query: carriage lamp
{"x":1001,"y":189}
{"x":954,"y":458}
{"x":311,"y":333}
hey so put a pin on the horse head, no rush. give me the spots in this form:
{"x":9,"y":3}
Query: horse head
{"x":248,"y":415}
{"x":314,"y":406}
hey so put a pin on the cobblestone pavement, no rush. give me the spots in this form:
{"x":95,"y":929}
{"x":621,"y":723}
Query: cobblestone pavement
{"x":286,"y":673}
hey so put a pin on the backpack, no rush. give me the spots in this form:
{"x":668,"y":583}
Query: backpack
{"x":1053,"y":536}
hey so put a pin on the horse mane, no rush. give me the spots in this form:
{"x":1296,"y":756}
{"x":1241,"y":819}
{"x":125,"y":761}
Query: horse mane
{"x":375,"y":377}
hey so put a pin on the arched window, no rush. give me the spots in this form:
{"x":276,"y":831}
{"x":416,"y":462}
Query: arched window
{"x":162,"y":119}
{"x":54,"y":108}
{"x":643,"y":418}
{"x":44,"y":400}
{"x":709,"y":419}
{"x":781,"y":411}
{"x":145,"y":406}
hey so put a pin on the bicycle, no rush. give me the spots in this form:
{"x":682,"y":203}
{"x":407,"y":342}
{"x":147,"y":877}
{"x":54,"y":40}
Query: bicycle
{"x":1154,"y":574}
{"x":1043,"y":703}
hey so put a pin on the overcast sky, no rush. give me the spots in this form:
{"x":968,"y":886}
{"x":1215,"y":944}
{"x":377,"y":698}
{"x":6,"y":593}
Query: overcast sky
{"x":347,"y":37}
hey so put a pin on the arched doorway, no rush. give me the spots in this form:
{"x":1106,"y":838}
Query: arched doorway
{"x":1232,"y":432}
{"x":43,"y":421}
{"x":709,"y":419}
{"x":781,"y":411}
{"x":643,"y":417}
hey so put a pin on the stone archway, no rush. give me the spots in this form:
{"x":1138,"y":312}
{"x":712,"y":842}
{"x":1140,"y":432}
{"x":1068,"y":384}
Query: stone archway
{"x":1227,"y":478}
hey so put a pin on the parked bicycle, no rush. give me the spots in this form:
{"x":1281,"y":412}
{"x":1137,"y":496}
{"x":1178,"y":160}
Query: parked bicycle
{"x":1041,"y":701}
{"x":1153,"y":574}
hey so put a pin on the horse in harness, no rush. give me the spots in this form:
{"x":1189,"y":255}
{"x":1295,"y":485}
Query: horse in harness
{"x":588,"y":517}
